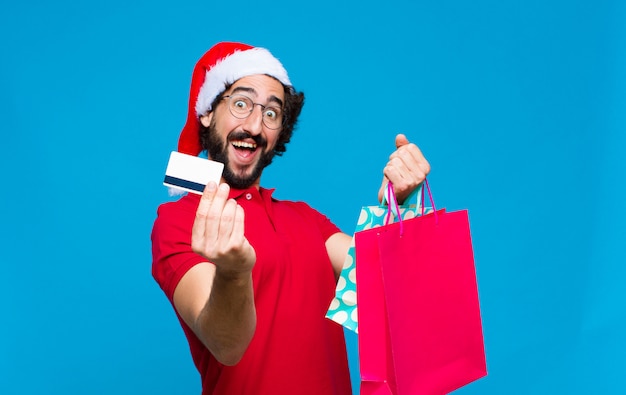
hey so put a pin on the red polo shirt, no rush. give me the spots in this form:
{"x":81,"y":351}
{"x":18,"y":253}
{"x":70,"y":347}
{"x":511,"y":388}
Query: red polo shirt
{"x":295,"y":349}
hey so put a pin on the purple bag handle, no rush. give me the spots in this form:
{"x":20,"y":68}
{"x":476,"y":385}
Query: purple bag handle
{"x":430,"y":197}
{"x":393,"y":201}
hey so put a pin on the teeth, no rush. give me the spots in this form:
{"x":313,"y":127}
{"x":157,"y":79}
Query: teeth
{"x":243,"y":144}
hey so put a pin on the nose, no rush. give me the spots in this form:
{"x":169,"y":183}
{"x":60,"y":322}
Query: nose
{"x":253,"y":124}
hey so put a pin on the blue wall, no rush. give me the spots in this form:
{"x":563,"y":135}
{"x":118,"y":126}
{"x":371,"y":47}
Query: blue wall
{"x":519,"y":106}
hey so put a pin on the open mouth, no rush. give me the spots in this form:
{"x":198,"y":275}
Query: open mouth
{"x":242,"y":145}
{"x":245,"y":149}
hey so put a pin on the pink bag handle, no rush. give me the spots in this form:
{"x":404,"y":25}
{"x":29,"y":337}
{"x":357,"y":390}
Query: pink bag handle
{"x":393,"y":201}
{"x":430,"y":197}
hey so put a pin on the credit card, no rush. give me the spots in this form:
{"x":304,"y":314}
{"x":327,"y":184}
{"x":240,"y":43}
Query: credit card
{"x":190,"y":173}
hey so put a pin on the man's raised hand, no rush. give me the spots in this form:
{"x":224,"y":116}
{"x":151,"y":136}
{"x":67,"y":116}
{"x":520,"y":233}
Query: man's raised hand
{"x":406,"y":169}
{"x":218,"y":232}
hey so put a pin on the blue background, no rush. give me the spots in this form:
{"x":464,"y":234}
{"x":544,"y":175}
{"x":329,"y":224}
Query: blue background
{"x":520,"y":107}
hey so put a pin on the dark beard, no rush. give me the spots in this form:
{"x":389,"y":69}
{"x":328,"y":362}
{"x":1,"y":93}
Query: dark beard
{"x":217,"y":150}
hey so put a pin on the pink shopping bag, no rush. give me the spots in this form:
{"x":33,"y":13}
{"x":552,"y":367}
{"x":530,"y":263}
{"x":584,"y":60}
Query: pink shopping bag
{"x":420,"y":330}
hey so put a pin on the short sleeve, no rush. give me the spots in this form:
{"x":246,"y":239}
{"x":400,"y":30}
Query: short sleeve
{"x":324,"y":225}
{"x":172,"y":256}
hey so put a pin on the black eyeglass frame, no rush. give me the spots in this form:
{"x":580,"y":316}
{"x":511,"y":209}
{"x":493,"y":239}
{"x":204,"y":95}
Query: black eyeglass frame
{"x":246,"y":115}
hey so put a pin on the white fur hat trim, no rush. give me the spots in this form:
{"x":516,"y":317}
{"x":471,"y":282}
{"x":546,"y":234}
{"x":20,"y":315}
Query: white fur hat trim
{"x":238,"y":65}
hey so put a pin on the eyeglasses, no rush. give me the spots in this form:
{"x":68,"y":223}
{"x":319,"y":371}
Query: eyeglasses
{"x":241,"y":107}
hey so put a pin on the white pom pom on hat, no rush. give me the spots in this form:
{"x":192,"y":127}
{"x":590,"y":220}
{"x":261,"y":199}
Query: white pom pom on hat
{"x":223,"y":64}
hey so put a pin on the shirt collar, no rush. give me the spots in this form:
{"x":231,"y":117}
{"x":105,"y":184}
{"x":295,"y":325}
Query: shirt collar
{"x":266,"y":194}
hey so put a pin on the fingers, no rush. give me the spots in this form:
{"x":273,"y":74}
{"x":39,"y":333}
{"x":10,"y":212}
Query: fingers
{"x":218,"y":230}
{"x":222,"y":228}
{"x":202,"y":211}
{"x":238,"y":225}
{"x":406,"y":169}
{"x":215,"y":216}
{"x":407,"y":162}
{"x":220,"y":217}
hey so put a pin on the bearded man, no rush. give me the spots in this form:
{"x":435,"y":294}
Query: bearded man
{"x":251,"y":277}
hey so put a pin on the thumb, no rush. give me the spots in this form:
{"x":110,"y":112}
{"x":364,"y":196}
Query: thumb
{"x":401,"y":140}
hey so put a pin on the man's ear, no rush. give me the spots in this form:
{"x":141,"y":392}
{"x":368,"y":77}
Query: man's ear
{"x":206,"y":119}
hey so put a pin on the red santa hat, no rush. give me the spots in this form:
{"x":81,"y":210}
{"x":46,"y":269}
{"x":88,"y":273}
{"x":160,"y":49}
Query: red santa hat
{"x":223,"y":64}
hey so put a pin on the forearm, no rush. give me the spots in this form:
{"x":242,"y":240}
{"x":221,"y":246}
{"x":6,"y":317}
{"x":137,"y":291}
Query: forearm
{"x":227,"y":322}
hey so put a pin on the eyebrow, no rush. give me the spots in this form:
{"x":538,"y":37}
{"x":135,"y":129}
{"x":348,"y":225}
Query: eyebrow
{"x":272,"y":98}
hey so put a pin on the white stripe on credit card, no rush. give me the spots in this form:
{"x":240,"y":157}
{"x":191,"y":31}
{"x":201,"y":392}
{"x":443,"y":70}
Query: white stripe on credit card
{"x":191,"y":173}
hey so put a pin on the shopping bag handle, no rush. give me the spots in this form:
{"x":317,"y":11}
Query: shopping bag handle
{"x":430,"y":197}
{"x":392,"y":203}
